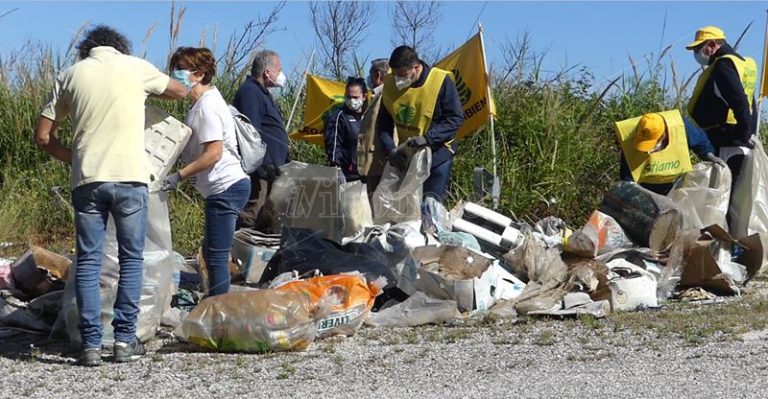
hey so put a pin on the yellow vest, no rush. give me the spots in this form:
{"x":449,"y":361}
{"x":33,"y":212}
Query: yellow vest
{"x":659,"y":167}
{"x":412,"y":108}
{"x":747,"y":69}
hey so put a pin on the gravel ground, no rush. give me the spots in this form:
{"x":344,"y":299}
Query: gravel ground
{"x":540,"y":359}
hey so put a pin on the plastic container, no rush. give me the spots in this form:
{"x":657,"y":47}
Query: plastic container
{"x":164,"y":140}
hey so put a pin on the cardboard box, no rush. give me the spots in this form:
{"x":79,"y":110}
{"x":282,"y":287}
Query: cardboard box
{"x":473,"y":280}
{"x":251,"y":251}
{"x":39,"y":271}
{"x":702,"y":270}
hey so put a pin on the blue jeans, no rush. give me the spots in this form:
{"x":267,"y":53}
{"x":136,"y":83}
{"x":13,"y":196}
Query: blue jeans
{"x":221,"y":211}
{"x":438,"y":179}
{"x":127,"y":203}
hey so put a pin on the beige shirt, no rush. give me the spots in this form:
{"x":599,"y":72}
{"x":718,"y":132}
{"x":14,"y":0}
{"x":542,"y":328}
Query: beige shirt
{"x":104,"y":95}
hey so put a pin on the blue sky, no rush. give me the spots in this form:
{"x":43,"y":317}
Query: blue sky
{"x":597,"y":35}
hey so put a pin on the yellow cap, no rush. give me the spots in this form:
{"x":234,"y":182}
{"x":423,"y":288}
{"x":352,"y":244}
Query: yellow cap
{"x":649,"y":130}
{"x":704,"y":34}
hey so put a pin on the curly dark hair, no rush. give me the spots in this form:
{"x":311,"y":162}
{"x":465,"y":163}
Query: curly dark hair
{"x":102,"y":35}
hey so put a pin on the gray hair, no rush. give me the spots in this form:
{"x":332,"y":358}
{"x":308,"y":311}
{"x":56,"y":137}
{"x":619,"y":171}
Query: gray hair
{"x":261,"y":61}
{"x":381,"y":65}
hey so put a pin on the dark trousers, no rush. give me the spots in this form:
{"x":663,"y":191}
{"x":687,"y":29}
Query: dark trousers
{"x":438,"y":179}
{"x":254,"y":215}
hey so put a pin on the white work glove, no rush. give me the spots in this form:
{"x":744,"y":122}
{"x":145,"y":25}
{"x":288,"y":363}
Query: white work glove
{"x":171,"y":182}
{"x":712,"y":158}
{"x":752,"y":141}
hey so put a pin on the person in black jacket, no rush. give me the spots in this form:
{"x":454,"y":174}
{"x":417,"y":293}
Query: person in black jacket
{"x":408,"y":91}
{"x":254,"y":101}
{"x":342,"y":129}
{"x":721,"y":103}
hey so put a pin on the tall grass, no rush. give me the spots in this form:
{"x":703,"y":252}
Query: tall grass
{"x":556,"y":148}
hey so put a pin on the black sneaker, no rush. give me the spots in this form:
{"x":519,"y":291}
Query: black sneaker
{"x":128,"y":352}
{"x":90,"y":357}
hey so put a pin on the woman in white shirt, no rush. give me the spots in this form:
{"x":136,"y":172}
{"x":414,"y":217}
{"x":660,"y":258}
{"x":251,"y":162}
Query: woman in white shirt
{"x":211,"y":160}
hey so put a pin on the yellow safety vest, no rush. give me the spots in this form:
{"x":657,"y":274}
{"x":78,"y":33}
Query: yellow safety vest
{"x":747,"y":69}
{"x":659,"y":167}
{"x":412,"y":108}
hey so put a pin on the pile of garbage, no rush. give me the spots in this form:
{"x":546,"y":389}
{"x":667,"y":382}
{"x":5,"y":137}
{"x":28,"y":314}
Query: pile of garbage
{"x":315,"y":280}
{"x":336,"y":258}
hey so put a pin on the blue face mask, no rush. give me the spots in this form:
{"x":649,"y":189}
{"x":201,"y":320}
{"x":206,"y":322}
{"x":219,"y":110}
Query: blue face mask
{"x":182,"y":76}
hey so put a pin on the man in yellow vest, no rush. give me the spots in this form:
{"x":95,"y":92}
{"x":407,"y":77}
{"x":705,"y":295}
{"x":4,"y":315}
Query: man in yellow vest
{"x":722,"y":100}
{"x":655,"y":149}
{"x":422,"y":103}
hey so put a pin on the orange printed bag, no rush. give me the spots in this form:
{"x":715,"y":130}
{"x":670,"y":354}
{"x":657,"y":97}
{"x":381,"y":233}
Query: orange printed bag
{"x":348,"y":297}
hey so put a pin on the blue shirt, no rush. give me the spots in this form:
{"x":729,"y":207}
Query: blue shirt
{"x":254,"y":101}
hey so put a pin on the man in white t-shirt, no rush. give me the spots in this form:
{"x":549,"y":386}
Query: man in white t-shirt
{"x":103,"y":94}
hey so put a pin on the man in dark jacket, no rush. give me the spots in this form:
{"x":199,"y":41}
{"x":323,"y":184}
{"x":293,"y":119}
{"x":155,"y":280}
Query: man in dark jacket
{"x":254,"y":101}
{"x":342,"y":129}
{"x":721,"y":103}
{"x":422,"y":102}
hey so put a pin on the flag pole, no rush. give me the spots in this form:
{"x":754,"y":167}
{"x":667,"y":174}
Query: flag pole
{"x":298,"y":91}
{"x":760,"y":93}
{"x":490,"y":114}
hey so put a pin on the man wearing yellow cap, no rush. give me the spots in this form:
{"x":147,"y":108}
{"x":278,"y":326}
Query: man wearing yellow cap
{"x":721,"y":103}
{"x":655,"y":149}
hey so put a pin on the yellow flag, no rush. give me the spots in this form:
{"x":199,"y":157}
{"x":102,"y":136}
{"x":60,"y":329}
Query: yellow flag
{"x":323,"y":98}
{"x":764,"y":82}
{"x":467,"y":65}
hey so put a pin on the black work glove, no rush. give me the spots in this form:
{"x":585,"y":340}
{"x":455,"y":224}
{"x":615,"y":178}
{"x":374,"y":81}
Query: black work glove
{"x":417,"y":141}
{"x":399,"y":157}
{"x":269,"y":172}
{"x":713,"y":158}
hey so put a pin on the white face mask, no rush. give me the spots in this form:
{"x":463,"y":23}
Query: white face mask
{"x":402,"y":82}
{"x":280,"y":80}
{"x":701,"y":58}
{"x":355,"y":104}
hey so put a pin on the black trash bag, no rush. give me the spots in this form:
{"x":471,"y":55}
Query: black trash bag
{"x":304,"y":250}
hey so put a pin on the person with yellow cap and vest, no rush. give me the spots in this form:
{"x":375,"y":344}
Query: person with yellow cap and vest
{"x":655,"y":149}
{"x":422,"y":103}
{"x":722,"y":100}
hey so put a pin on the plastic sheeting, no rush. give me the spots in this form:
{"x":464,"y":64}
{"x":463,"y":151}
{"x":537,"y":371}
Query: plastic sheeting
{"x":158,"y":277}
{"x":749,"y":201}
{"x":649,"y":219}
{"x":602,"y":234}
{"x":417,"y":310}
{"x":253,"y":321}
{"x":398,"y":196}
{"x":355,"y":208}
{"x":305,"y":250}
{"x":307,"y":196}
{"x":703,"y":195}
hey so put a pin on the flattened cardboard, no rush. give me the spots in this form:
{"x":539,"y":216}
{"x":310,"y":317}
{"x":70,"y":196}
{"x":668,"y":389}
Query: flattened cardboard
{"x":490,"y":283}
{"x":701,"y":268}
